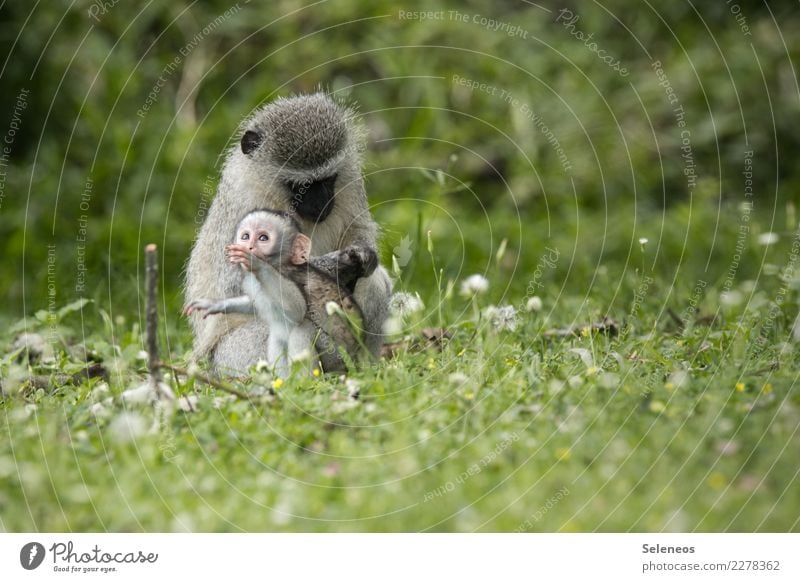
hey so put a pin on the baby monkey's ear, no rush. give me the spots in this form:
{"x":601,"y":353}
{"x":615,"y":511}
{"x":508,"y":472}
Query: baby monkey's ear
{"x":301,"y":249}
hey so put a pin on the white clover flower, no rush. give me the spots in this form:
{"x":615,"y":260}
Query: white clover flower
{"x":458,"y":378}
{"x":392,"y":326}
{"x":678,"y":379}
{"x":301,"y":356}
{"x":353,"y":388}
{"x":142,"y":355}
{"x":643,"y":241}
{"x":99,"y":392}
{"x":474,"y":285}
{"x":768,"y":238}
{"x":333,"y":308}
{"x":145,"y":394}
{"x":220,"y":401}
{"x":731,"y":298}
{"x":534,"y":304}
{"x":127,"y":427}
{"x":142,"y":394}
{"x":101,"y":409}
{"x":502,"y":318}
{"x":402,"y":304}
{"x":188,"y":403}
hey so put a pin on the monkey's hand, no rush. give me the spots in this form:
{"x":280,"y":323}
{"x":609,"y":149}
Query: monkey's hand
{"x":199,"y":305}
{"x":348,"y":264}
{"x":241,"y":255}
{"x":241,"y":304}
{"x":362,"y":260}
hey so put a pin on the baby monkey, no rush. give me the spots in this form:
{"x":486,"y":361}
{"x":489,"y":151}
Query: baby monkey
{"x":307,"y":310}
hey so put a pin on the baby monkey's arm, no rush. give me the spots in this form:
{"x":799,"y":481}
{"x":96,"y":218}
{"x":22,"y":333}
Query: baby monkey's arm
{"x":241,"y":304}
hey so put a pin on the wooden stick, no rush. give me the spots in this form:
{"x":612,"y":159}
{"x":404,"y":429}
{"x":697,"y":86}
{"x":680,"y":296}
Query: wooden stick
{"x":151,"y":315}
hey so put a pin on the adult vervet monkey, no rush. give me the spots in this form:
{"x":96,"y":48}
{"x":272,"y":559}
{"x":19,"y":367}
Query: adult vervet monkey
{"x":300,"y":155}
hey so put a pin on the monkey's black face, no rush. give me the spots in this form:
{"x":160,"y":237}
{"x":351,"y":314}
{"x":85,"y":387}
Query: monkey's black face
{"x":313,"y":201}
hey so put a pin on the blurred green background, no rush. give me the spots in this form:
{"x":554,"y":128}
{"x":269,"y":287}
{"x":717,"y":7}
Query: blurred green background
{"x":597,"y":168}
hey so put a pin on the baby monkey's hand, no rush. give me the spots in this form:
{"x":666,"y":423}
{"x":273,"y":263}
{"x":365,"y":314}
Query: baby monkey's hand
{"x":206,"y":306}
{"x":241,"y":255}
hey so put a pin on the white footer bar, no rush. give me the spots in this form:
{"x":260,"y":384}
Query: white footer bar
{"x":388,"y":557}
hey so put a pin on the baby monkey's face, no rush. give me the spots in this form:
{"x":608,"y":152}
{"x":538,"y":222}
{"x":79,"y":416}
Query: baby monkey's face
{"x":269,"y":237}
{"x":258,"y":236}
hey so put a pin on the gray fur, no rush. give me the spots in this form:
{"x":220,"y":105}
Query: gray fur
{"x":305,"y":138}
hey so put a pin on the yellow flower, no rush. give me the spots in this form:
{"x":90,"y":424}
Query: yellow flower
{"x":585,"y":331}
{"x":591,"y":370}
{"x":669,"y":385}
{"x":740,"y":386}
{"x":316,"y":372}
{"x":277,"y":383}
{"x":767,"y":389}
{"x":563,"y":454}
{"x":469,"y":395}
{"x":431,"y":364}
{"x":716,"y":480}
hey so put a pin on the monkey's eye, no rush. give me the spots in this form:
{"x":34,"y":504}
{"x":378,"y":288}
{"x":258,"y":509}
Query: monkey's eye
{"x":245,"y":236}
{"x":250,"y":141}
{"x":263,"y":238}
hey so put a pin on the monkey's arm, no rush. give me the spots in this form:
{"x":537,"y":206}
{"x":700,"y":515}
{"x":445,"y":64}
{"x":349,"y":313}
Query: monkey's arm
{"x":349,"y":264}
{"x":241,"y":304}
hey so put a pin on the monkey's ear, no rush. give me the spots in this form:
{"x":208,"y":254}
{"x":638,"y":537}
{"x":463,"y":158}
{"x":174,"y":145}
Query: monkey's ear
{"x":250,"y":141}
{"x":301,"y":250}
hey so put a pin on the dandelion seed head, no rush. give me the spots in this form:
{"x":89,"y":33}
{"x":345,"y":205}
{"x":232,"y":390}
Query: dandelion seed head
{"x":502,"y":318}
{"x":474,"y":285}
{"x":402,"y":304}
{"x":534,"y":304}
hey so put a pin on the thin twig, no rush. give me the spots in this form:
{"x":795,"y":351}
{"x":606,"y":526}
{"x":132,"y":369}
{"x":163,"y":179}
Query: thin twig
{"x":210,"y":381}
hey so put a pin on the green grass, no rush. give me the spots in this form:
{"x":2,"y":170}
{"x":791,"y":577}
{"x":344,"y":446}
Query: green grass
{"x":656,"y":428}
